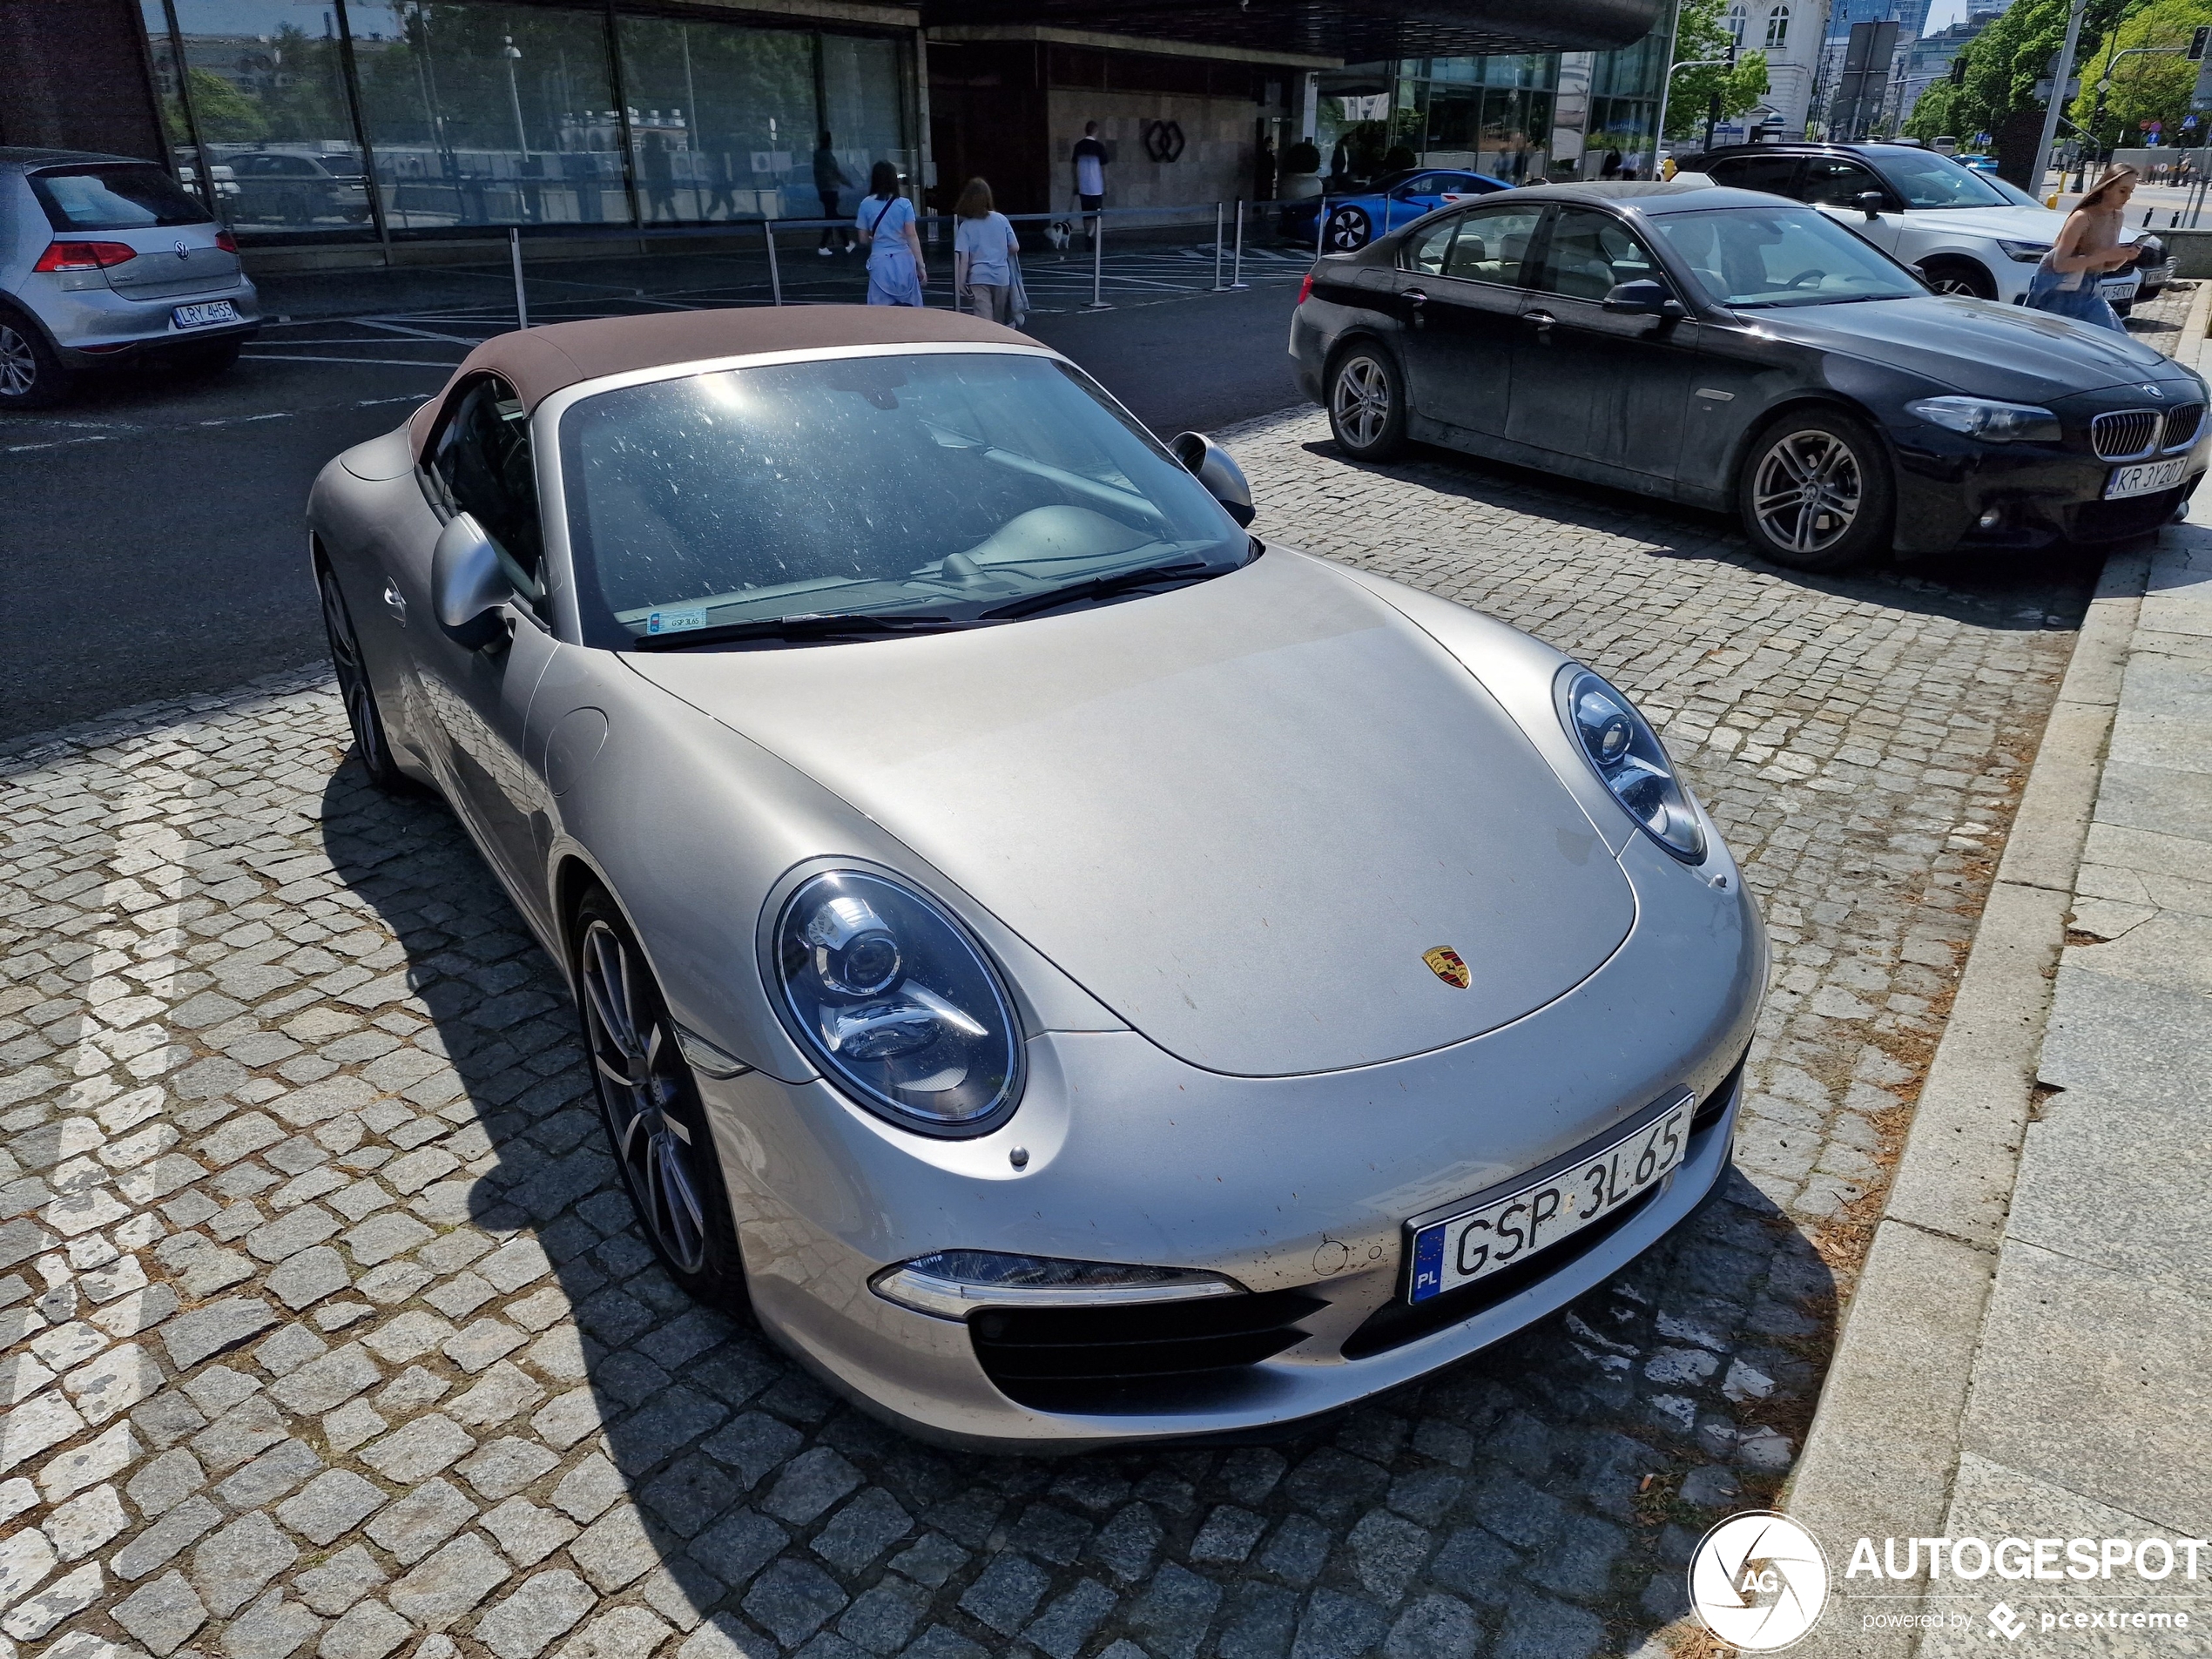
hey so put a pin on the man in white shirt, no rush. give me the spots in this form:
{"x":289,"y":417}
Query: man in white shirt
{"x":1089,"y":158}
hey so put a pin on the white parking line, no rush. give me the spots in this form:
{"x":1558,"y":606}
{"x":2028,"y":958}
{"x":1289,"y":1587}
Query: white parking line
{"x":374,"y":362}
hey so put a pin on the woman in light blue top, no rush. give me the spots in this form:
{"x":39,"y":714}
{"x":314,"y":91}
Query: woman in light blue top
{"x":984,"y":253}
{"x":886,"y":226}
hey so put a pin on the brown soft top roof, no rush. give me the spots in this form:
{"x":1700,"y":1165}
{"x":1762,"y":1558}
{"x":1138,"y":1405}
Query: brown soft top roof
{"x":538,"y":362}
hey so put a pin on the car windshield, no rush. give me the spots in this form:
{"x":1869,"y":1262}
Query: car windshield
{"x":1926,"y":179}
{"x":1785,"y":255}
{"x":929,"y":485}
{"x":126,"y":196}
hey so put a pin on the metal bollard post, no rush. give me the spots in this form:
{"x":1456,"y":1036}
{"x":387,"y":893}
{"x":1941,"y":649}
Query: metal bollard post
{"x":1237,"y":276}
{"x":1320,"y":227}
{"x":522,"y":300}
{"x":775,"y":275}
{"x":1217,"y":247}
{"x":1097,"y":261}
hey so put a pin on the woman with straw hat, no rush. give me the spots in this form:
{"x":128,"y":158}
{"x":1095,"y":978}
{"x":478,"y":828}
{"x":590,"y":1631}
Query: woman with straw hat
{"x":2089,"y":245}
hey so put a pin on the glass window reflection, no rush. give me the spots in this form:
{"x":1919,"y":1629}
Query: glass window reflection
{"x":722,"y":120}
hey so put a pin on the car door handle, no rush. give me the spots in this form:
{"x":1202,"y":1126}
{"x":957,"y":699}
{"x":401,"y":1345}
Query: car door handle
{"x":1416,"y":299}
{"x":1543,"y":320}
{"x":396,"y":602}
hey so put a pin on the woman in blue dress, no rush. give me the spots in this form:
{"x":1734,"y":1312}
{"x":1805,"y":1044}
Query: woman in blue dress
{"x":887,"y":226}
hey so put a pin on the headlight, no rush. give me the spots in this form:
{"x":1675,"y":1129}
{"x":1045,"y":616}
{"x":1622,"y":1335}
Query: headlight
{"x":2025,"y":253}
{"x":897,"y":1005}
{"x":1993,"y":422}
{"x":953,"y":1284}
{"x":1627,"y":754}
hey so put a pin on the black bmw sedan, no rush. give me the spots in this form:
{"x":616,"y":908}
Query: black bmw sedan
{"x":1730,"y":349}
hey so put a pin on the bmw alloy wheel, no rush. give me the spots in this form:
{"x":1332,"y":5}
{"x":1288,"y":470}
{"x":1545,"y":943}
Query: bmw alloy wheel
{"x":642,"y":1076}
{"x":1807,"y":490}
{"x":1360,"y":400}
{"x":18,"y":363}
{"x":1349,"y":230}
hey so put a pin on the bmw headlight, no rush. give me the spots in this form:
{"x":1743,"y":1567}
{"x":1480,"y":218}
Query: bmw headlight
{"x":2025,"y":253}
{"x":1988,"y":420}
{"x":897,"y":1005}
{"x":1627,"y":755}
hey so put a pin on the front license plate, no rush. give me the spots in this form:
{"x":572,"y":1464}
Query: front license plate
{"x":1462,"y":1249}
{"x":201,"y":316}
{"x":2145,"y":477}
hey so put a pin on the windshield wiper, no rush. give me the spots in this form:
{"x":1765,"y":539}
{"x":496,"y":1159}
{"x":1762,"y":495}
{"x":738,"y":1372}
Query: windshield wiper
{"x":819,"y":625}
{"x":1099,"y":587}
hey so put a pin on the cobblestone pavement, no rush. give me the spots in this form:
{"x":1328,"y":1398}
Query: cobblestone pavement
{"x":328,"y":1331}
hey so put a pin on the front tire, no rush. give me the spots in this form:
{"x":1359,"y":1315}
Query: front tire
{"x":363,"y":713}
{"x":1350,"y":230}
{"x":1366,"y":402}
{"x":31,"y":377}
{"x":1961,"y":277}
{"x":1815,"y":492}
{"x":648,"y":1101}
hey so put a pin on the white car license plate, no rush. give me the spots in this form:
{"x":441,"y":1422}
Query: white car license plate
{"x":1464,"y":1248}
{"x":2145,"y":477}
{"x":2116,"y":288}
{"x":201,"y":316}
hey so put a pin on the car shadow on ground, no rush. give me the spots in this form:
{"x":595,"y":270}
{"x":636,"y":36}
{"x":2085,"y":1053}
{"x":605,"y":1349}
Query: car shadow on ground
{"x":2008,"y":590}
{"x":1543,"y":1495}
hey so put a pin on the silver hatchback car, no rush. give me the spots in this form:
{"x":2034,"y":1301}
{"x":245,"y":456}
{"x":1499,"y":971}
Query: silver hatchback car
{"x":106,"y":259}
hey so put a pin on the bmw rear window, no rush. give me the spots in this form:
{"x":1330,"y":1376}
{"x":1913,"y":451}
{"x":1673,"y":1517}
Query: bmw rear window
{"x":120,"y":196}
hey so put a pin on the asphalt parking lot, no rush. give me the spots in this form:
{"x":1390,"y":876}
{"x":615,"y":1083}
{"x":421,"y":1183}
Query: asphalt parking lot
{"x":330,"y":1333}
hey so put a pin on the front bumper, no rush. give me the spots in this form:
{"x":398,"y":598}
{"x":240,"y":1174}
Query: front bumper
{"x":1298,"y":1188}
{"x":2043,"y":495}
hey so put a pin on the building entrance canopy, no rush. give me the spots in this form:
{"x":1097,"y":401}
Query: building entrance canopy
{"x":1350,"y":30}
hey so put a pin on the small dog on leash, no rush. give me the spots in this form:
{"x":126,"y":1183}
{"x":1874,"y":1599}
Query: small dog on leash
{"x":1059,"y":233}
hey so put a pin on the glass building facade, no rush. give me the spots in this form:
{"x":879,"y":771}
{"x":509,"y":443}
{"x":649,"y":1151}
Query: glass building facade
{"x":323,"y":120}
{"x":1523,"y":119}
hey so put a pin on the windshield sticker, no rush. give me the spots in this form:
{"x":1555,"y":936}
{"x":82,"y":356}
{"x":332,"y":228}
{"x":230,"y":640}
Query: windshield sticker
{"x":673,"y":622}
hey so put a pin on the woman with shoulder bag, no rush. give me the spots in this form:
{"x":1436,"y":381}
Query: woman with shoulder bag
{"x":886,"y":222}
{"x":2089,"y":245}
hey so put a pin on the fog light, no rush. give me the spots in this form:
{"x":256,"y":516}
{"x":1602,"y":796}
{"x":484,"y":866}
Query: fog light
{"x":953,"y":1284}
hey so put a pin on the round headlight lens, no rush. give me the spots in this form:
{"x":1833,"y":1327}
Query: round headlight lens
{"x":897,"y":1005}
{"x":1626,"y":752}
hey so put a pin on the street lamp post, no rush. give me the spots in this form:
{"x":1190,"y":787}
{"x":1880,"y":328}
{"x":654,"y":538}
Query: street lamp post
{"x":513,"y":54}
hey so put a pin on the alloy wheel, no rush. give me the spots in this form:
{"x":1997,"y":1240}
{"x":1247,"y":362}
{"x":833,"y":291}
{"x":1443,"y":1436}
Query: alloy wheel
{"x":353,"y":678}
{"x":1361,"y":401}
{"x":1955,"y":284}
{"x":1348,"y":230}
{"x":641,"y":1076}
{"x":1807,"y":491}
{"x":18,"y":363}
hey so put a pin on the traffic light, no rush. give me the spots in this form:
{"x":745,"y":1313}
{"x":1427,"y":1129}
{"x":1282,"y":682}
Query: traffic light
{"x":1958,"y":69}
{"x":2197,"y":43}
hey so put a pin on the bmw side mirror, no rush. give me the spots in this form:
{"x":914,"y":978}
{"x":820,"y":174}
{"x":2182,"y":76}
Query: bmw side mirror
{"x":1212,"y":465}
{"x":1870,"y":203}
{"x":467,"y":585}
{"x":1643,"y":297}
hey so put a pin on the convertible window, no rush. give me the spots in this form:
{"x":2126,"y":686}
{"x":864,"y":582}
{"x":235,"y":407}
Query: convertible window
{"x":481,"y":458}
{"x":1590,"y":252}
{"x":1781,"y":256}
{"x":954,"y":486}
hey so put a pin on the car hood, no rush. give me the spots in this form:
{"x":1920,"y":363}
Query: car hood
{"x":1978,"y":346}
{"x":1237,"y":813}
{"x":2014,"y":223}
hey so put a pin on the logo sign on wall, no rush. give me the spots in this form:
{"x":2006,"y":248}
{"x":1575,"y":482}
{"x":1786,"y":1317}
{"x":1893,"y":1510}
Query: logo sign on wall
{"x":1758,"y":1581}
{"x":1163,"y":141}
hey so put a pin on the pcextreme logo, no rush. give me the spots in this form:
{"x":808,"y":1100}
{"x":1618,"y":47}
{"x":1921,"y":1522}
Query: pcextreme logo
{"x":1758,"y":1581}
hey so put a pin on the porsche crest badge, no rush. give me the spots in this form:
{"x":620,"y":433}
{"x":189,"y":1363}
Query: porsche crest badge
{"x":1448,"y":966}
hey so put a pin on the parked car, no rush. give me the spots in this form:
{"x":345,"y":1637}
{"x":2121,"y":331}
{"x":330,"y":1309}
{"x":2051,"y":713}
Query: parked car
{"x":1088,"y":975}
{"x":1728,"y":349}
{"x":103,"y":261}
{"x":1968,"y":234}
{"x":1399,"y":199}
{"x":285,"y":187}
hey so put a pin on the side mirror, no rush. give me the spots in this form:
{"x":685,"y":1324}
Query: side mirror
{"x":1644,"y":297}
{"x":1870,"y":203}
{"x":467,"y":585}
{"x":1211,"y":466}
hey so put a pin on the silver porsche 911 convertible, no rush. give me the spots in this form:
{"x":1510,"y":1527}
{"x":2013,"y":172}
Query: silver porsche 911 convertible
{"x":1082,"y":974}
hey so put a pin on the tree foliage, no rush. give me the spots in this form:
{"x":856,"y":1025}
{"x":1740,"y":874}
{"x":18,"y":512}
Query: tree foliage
{"x":2005,"y":60}
{"x":1701,"y":33}
{"x":1936,"y":113}
{"x":2154,"y":87}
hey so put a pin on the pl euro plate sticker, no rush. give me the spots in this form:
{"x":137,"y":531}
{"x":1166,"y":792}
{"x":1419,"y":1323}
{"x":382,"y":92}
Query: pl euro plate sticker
{"x":673,"y":622}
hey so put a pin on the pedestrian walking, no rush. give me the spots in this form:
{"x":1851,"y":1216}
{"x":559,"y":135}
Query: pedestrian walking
{"x":829,"y":184}
{"x":1088,"y":158}
{"x":887,"y":226}
{"x":984,"y":254}
{"x":2089,"y":245}
{"x":660,"y":177}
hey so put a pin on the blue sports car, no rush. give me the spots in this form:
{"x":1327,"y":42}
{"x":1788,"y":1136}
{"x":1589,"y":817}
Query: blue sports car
{"x":1399,"y":199}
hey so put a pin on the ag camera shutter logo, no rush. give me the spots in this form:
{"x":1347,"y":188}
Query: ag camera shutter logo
{"x":1758,"y":1581}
